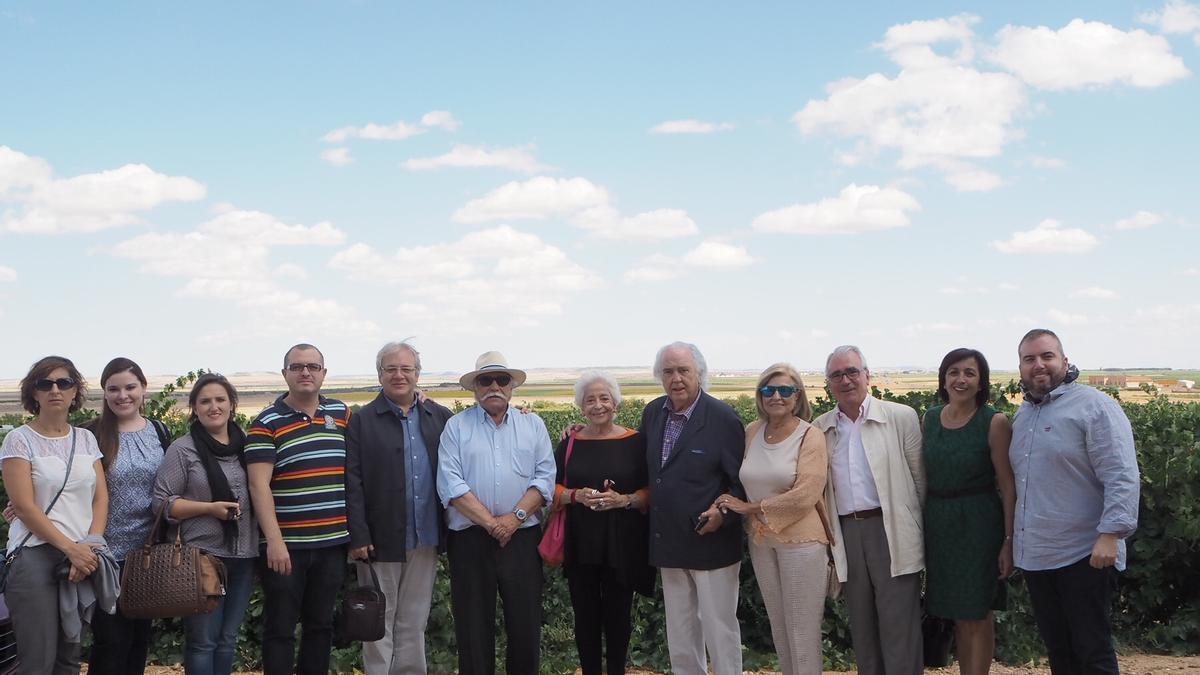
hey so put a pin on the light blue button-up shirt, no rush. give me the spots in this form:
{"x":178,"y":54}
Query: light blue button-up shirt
{"x":422,"y":526}
{"x":496,"y":463}
{"x":1076,"y":475}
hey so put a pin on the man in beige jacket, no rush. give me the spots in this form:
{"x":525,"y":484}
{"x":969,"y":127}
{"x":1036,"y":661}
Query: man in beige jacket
{"x":877,"y":487}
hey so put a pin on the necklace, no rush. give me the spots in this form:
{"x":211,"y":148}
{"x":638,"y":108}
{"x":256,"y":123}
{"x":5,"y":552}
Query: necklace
{"x":782,"y":432}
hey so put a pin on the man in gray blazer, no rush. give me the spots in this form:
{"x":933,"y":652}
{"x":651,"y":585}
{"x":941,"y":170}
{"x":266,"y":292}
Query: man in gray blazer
{"x":877,"y":487}
{"x":396,"y":519}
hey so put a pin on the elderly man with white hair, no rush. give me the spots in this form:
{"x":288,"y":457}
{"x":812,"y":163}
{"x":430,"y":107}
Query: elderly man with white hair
{"x":694,"y":448}
{"x":877,"y":487}
{"x":602,"y":485}
{"x":495,"y":471}
{"x":395,"y":517}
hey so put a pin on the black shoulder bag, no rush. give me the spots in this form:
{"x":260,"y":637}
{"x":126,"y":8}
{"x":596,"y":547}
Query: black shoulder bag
{"x":9,"y":558}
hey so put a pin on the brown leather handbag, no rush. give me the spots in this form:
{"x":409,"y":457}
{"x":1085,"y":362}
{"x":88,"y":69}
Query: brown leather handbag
{"x":166,"y":579}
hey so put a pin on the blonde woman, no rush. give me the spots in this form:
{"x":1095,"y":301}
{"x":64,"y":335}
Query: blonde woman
{"x":784,"y":474}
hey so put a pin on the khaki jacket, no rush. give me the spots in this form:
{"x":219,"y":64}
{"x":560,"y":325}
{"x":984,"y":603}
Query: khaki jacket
{"x":891,"y":436}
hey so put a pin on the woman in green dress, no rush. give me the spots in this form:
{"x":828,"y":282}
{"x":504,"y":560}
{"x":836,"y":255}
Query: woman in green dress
{"x":969,"y":512}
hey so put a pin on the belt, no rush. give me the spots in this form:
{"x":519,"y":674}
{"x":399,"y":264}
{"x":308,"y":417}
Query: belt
{"x":963,"y":492}
{"x":863,"y":515}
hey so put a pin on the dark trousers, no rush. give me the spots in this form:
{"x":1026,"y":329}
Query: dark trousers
{"x":119,"y":644}
{"x":602,"y":606}
{"x":1071,"y":606}
{"x":479,"y":567}
{"x":306,"y":595}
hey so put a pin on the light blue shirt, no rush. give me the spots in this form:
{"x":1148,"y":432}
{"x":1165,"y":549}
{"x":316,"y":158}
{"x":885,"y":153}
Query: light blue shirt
{"x":422,"y":526}
{"x":496,"y":463}
{"x":1076,"y":475}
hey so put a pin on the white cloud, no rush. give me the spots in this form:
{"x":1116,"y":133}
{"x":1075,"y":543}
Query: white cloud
{"x":1039,"y":162}
{"x":605,"y":221}
{"x":85,"y":203}
{"x":1057,"y":316}
{"x":492,"y":273}
{"x":586,"y":206}
{"x":1176,"y":17}
{"x":1191,"y":272}
{"x":690,"y":126}
{"x":855,"y":210}
{"x":917,"y":329}
{"x":7,"y":273}
{"x":656,"y":267}
{"x":337,"y":156}
{"x":938,"y":111}
{"x":1008,"y":287}
{"x":537,"y":198}
{"x":290,"y":271}
{"x":477,"y":156}
{"x":1048,"y":238}
{"x":718,"y":254}
{"x":1138,"y":221}
{"x":1095,"y":293}
{"x":1086,"y":54}
{"x":256,"y":227}
{"x":396,"y":131}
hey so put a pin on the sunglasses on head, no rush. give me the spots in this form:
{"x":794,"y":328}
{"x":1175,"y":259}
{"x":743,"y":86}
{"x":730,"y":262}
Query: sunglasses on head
{"x":46,"y":384}
{"x":784,"y":390}
{"x":503,"y":379}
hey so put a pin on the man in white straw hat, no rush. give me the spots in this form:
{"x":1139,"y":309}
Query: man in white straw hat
{"x":495,"y":471}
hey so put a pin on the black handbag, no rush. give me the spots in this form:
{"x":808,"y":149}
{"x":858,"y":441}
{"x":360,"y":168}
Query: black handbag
{"x":938,"y":638}
{"x":361,"y":617}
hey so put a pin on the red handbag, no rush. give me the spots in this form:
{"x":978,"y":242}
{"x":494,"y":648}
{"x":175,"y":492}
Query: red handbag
{"x":554,"y":537}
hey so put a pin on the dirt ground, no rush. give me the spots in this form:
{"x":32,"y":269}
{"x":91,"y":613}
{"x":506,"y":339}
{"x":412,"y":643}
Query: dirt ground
{"x":1136,"y":664}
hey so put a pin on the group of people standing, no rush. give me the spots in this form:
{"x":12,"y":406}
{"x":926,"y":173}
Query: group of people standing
{"x":866,"y":492}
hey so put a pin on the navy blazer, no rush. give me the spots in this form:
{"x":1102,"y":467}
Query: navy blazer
{"x":376,"y":488}
{"x":703,"y":465}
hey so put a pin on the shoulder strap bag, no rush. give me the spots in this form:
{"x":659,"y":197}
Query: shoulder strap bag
{"x":553,"y":545}
{"x":362,"y":616}
{"x":170,"y":579}
{"x":10,"y":558}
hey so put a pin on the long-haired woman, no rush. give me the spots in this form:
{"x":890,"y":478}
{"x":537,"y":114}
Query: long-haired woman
{"x":202,"y":484}
{"x":132,"y":449}
{"x":53,"y":475}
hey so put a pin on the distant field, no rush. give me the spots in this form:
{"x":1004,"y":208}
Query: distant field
{"x":258,"y":390}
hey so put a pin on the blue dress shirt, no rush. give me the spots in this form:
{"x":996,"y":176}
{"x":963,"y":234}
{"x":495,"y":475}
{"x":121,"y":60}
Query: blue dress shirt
{"x":496,"y":463}
{"x":422,"y":526}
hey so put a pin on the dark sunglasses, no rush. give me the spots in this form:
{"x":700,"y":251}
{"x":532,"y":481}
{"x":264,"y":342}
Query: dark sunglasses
{"x":301,"y":367}
{"x":46,"y":384}
{"x":784,"y":390}
{"x":502,"y":379}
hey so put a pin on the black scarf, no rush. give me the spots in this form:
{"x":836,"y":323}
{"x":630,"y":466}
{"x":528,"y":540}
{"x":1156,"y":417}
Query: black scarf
{"x":209,"y":449}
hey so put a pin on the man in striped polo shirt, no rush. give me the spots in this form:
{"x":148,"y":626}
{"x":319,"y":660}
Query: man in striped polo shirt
{"x":296,"y":461}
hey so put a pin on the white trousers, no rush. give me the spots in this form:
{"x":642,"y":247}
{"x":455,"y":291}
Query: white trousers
{"x":702,"y":612}
{"x":792,"y":581}
{"x":408,"y":587}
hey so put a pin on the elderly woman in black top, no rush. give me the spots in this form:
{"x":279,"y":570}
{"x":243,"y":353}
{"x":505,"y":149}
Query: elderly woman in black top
{"x":602,"y":485}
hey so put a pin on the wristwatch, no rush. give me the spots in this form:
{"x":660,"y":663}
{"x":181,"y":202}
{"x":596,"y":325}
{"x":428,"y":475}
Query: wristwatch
{"x":520,"y":514}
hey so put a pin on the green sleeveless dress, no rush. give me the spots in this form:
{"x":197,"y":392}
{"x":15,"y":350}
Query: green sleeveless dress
{"x":964,"y":520}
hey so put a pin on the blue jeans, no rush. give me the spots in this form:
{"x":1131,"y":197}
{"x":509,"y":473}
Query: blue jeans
{"x":209,"y":640}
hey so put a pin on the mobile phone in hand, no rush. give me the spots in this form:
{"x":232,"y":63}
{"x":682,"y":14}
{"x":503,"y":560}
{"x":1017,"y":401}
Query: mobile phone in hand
{"x":701,"y":521}
{"x":609,"y":484}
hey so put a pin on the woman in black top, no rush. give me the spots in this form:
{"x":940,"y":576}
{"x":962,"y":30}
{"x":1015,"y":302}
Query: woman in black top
{"x":603,"y":487}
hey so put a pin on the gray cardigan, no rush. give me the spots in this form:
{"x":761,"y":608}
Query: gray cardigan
{"x":181,"y":475}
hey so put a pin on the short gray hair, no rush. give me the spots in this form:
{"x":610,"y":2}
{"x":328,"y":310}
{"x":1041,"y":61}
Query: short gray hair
{"x":590,"y":377}
{"x":842,"y":351}
{"x":395,"y":346}
{"x":701,"y":364}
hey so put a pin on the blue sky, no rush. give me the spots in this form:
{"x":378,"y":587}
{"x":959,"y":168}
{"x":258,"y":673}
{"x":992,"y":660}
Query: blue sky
{"x":204,"y":185}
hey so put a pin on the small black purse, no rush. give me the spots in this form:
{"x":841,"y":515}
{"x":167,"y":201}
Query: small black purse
{"x":361,"y":616}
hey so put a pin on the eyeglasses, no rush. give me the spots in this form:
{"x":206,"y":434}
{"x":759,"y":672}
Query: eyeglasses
{"x":849,"y":373}
{"x":301,"y":367}
{"x":502,"y":379}
{"x":784,"y":390}
{"x":392,"y":370}
{"x":46,"y":384}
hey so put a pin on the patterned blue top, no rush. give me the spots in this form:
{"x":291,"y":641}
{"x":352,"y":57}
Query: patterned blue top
{"x":130,"y":487}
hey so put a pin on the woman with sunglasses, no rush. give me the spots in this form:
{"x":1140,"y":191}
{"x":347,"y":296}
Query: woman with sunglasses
{"x":132,"y":449}
{"x":969,"y":511}
{"x":54,"y":476}
{"x":203,"y":487}
{"x":603,"y":487}
{"x":784,"y":476}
